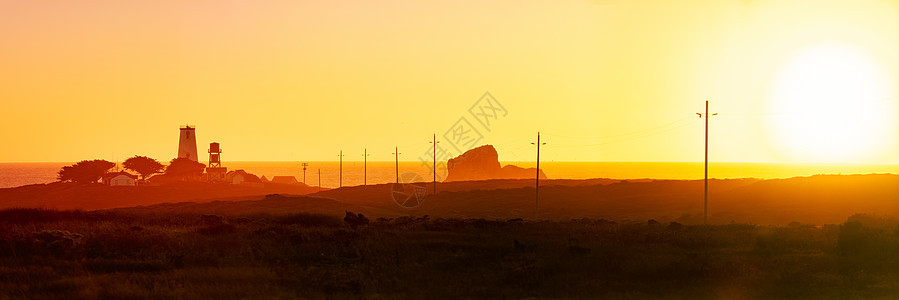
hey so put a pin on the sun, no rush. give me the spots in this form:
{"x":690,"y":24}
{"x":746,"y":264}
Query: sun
{"x":832,"y":103}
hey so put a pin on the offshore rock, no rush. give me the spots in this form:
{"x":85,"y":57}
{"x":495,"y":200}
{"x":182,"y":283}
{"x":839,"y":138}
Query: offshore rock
{"x":482,"y":163}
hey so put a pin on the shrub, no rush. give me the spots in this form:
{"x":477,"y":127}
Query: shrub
{"x":355,"y":220}
{"x":57,"y":242}
{"x":863,"y":248}
{"x":217,"y":229}
{"x":310,"y":220}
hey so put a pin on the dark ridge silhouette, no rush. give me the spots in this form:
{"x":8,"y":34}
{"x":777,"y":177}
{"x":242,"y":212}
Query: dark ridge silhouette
{"x":823,"y":199}
{"x":96,"y":196}
{"x":274,"y":204}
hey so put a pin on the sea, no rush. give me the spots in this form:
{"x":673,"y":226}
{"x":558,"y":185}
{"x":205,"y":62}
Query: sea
{"x":348,"y":173}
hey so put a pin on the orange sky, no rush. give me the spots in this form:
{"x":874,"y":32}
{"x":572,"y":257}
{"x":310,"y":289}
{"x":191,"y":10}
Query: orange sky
{"x":301,"y":80}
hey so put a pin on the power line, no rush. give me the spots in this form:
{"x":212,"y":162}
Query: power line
{"x":670,"y":126}
{"x":635,"y":133}
{"x":627,"y":139}
{"x":884,"y":101}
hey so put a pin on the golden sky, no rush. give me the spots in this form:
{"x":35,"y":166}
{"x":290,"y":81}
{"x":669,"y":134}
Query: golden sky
{"x":792,"y":81}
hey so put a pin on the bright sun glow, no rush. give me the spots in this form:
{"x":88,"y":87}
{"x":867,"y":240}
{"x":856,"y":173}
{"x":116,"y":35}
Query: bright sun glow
{"x":832,"y":103}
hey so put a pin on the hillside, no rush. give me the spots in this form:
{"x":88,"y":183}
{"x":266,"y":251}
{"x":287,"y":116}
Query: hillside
{"x":825,"y":199}
{"x":92,"y":197}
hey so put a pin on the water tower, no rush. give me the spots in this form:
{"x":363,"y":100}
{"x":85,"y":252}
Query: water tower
{"x":215,"y":172}
{"x":187,"y":144}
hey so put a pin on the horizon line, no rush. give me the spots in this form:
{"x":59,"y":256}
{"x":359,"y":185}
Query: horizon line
{"x":514,"y":161}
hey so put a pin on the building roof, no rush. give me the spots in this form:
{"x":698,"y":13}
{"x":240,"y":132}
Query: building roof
{"x":111,"y":175}
{"x":285,"y":179}
{"x":246,"y":176}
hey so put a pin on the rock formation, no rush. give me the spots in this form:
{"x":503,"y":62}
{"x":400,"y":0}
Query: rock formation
{"x":482,"y":163}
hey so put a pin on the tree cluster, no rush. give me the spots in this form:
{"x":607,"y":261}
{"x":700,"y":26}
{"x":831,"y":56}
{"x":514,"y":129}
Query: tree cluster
{"x":143,"y":165}
{"x":91,"y":171}
{"x":85,"y":171}
{"x":184,"y":168}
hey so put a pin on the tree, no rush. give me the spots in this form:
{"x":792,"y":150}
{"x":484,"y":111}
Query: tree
{"x":85,"y":171}
{"x":184,"y":168}
{"x":143,"y":165}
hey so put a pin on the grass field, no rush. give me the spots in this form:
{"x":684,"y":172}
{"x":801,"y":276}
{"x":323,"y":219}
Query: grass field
{"x":48,"y":254}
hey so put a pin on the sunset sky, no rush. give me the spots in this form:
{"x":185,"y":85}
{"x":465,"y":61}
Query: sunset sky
{"x":792,"y":81}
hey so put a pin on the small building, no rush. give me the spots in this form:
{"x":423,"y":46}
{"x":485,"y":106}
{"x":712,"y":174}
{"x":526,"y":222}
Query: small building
{"x":285,"y":180}
{"x":121,"y":178}
{"x":241,"y":176}
{"x":216,"y":174}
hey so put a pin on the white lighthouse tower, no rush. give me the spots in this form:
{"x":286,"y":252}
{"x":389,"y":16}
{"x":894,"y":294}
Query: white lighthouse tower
{"x":187,"y":144}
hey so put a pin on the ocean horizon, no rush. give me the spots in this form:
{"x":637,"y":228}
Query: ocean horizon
{"x":378,"y":172}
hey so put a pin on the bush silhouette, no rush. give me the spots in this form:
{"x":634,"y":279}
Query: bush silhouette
{"x":863,"y":248}
{"x":355,"y":220}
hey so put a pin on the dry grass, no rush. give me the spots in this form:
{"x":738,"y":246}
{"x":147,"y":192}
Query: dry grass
{"x":70,"y":255}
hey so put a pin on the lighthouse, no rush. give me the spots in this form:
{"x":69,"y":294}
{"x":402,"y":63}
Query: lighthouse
{"x":187,"y":144}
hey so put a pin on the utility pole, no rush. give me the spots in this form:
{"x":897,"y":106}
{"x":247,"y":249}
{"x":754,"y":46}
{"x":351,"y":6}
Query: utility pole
{"x":705,"y":202}
{"x":340,"y":177}
{"x":537,"y":186}
{"x":435,"y":162}
{"x":365,"y":167}
{"x":319,"y":179}
{"x":304,"y":172}
{"x":397,"y":153}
